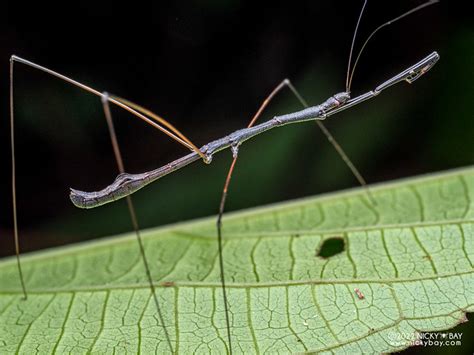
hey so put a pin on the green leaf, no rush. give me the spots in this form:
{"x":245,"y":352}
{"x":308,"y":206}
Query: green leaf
{"x":411,"y":256}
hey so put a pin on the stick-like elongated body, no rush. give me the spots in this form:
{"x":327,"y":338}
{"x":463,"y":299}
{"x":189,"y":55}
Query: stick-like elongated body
{"x":126,"y":184}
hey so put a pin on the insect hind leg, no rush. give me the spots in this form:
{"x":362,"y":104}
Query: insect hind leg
{"x":13,"y":176}
{"x":132,"y":212}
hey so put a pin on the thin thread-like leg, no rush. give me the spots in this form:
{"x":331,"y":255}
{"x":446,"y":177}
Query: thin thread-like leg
{"x":331,"y":139}
{"x":131,"y":210}
{"x":222,"y":207}
{"x":161,"y":124}
{"x":15,"y":216}
{"x":140,"y":112}
{"x":337,"y":147}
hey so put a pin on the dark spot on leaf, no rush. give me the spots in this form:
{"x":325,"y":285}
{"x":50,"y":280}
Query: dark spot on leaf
{"x":330,"y":247}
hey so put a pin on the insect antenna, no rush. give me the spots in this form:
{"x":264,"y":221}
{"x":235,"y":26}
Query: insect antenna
{"x":409,"y":12}
{"x":360,"y":179}
{"x":352,"y":46}
{"x":349,"y":76}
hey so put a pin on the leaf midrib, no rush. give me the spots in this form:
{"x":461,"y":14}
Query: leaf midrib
{"x":198,"y":284}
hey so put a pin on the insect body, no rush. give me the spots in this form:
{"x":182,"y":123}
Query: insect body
{"x":126,"y":184}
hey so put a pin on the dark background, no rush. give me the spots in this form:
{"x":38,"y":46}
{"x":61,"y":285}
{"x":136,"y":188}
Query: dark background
{"x":206,"y":66}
